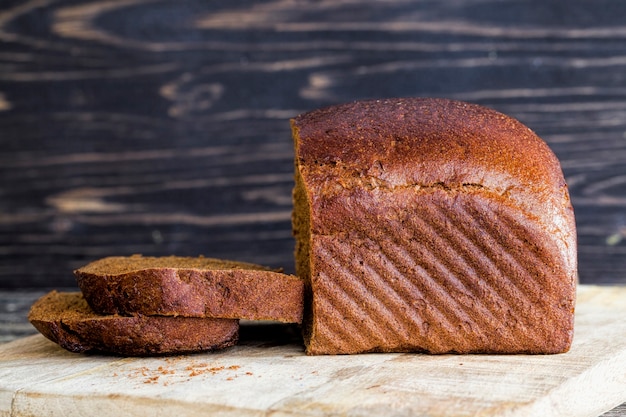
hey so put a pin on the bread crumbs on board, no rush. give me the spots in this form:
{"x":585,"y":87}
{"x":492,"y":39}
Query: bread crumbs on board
{"x":177,"y":374}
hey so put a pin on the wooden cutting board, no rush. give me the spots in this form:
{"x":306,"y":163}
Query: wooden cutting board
{"x":268,"y":374}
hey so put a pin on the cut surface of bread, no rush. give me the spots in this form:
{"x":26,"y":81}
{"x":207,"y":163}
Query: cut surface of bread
{"x":66,"y":319}
{"x":431,"y":225}
{"x":190,"y":287}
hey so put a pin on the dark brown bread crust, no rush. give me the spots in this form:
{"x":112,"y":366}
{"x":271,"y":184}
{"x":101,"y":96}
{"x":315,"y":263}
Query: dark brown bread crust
{"x":66,"y":319}
{"x":190,"y":287}
{"x":431,"y":225}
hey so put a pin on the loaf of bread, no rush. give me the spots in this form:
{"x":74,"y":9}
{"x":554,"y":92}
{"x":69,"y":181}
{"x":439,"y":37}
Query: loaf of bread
{"x":190,"y":287}
{"x":66,"y":319}
{"x":431,"y":225}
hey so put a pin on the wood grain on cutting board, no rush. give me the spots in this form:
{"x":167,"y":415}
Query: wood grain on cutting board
{"x":268,"y":374}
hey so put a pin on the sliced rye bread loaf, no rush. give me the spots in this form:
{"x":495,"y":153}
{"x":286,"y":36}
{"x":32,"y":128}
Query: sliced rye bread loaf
{"x":66,"y":319}
{"x":431,"y":225}
{"x":190,"y":287}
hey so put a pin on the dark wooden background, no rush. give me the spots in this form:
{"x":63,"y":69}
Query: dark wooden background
{"x":161,"y":127}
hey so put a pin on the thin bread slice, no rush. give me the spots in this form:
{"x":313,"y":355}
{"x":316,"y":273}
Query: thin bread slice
{"x":191,"y":287}
{"x":66,"y":319}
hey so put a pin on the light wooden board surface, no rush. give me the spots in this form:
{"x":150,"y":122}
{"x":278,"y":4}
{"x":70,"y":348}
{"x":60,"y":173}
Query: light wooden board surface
{"x":269,"y":375}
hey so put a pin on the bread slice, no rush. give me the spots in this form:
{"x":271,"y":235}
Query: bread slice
{"x":190,"y":287}
{"x":66,"y":319}
{"x":431,"y":225}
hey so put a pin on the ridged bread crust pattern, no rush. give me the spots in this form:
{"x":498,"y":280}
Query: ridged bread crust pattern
{"x":431,"y":225}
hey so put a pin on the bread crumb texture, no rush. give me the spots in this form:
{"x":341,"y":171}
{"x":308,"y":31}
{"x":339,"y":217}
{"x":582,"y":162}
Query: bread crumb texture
{"x":115,"y":265}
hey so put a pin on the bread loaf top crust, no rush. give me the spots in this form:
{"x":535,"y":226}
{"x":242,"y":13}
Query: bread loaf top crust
{"x":425,"y":141}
